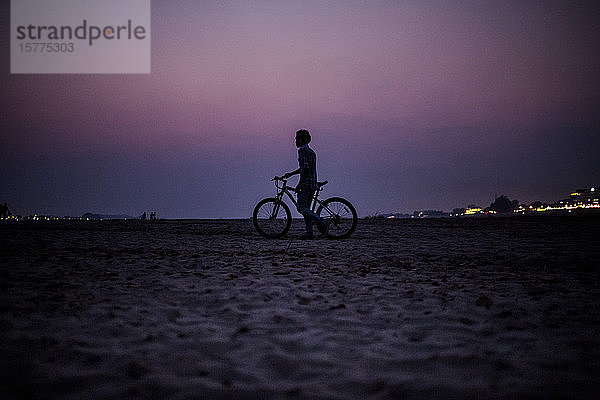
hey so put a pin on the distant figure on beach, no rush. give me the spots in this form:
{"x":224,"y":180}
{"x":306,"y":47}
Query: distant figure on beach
{"x":144,"y":216}
{"x":153,"y":216}
{"x":4,"y":212}
{"x":307,"y":168}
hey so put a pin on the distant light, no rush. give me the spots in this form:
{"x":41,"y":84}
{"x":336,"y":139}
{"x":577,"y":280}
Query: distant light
{"x":474,"y":210}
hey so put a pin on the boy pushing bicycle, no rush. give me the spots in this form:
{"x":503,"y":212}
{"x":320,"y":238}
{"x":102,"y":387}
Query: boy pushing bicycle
{"x":307,"y":185}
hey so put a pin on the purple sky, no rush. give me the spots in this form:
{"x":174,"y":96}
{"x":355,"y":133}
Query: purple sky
{"x":411,"y":104}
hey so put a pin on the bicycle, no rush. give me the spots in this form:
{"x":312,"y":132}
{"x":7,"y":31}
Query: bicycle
{"x":272,"y":217}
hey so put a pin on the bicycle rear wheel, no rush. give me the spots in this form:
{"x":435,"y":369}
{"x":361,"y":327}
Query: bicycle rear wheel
{"x":343,"y":217}
{"x":272,"y":218}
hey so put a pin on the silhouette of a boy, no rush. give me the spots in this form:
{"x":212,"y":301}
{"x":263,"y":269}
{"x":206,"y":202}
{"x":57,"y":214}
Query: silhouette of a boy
{"x":307,"y":168}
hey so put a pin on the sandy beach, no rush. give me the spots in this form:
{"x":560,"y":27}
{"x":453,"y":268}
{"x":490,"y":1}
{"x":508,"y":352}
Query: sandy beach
{"x":409,"y":309}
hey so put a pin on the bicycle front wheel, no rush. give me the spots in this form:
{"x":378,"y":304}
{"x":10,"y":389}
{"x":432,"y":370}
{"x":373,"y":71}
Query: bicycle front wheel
{"x":272,"y":218}
{"x":343,"y":217}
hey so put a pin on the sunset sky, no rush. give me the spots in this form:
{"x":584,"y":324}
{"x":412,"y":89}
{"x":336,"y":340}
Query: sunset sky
{"x":411,"y":104}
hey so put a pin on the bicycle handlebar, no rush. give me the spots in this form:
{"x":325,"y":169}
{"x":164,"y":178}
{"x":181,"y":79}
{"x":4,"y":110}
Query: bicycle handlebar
{"x":278,"y":179}
{"x":284,"y":180}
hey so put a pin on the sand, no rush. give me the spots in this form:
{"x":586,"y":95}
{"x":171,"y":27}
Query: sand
{"x":412,"y":309}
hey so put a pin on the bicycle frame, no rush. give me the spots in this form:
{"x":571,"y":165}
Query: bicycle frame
{"x":281,"y":190}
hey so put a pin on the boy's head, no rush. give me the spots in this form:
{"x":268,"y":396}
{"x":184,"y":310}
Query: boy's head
{"x":302,"y":137}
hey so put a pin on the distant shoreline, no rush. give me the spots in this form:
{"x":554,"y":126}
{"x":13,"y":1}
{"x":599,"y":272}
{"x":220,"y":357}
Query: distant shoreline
{"x":61,"y":221}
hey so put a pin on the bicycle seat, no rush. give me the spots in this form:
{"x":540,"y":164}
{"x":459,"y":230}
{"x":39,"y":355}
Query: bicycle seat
{"x":322,"y":183}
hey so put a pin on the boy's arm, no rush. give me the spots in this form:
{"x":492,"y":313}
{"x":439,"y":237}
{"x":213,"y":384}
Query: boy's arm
{"x":302,"y":164}
{"x":287,"y":175}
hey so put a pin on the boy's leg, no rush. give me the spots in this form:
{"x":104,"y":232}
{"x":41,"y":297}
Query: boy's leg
{"x":309,"y":228}
{"x":304,"y":199}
